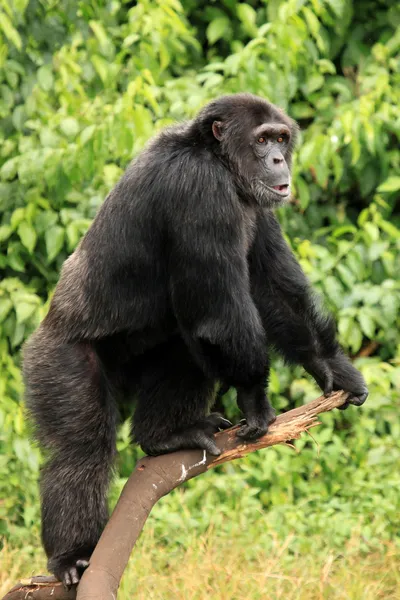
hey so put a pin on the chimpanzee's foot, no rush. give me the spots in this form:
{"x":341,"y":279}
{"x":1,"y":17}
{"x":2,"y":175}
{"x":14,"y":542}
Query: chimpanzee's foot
{"x":199,"y":435}
{"x":69,"y":571}
{"x":257,"y":425}
{"x":257,"y":410}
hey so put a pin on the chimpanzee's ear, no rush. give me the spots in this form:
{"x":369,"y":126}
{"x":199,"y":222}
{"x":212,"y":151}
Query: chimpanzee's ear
{"x":217,"y":129}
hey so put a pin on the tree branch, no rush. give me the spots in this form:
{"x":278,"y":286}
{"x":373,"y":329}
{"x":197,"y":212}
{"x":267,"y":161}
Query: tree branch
{"x":153,"y":478}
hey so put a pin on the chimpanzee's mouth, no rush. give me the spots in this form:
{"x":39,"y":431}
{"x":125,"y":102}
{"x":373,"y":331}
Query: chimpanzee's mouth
{"x":282,"y":190}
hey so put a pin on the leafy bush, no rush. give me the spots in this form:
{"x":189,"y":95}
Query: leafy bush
{"x":81,"y":90}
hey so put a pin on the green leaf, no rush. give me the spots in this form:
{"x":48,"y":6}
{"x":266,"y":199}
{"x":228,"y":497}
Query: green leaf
{"x":367,"y":325}
{"x":392,"y":184}
{"x":111,"y":174}
{"x":45,"y":78}
{"x":54,"y":239}
{"x":17,"y":217}
{"x":303,"y":191}
{"x":9,"y":31}
{"x":312,"y":21}
{"x":390,"y":229}
{"x":18,"y":336}
{"x":338,"y":6}
{"x":247,"y":15}
{"x":5,"y":232}
{"x":302,"y":110}
{"x":20,"y":5}
{"x":216,"y":29}
{"x":27,"y":235}
{"x":344,"y":229}
{"x":337,"y":163}
{"x":334,"y":290}
{"x":130,"y":39}
{"x":99,"y":32}
{"x":274,"y":384}
{"x":12,"y":79}
{"x":344,"y":327}
{"x":49,"y":138}
{"x":326,"y":66}
{"x":19,"y":117}
{"x":69,"y":126}
{"x":73,"y":234}
{"x":14,"y":259}
{"x":87,"y":134}
{"x":24,"y":310}
{"x":45,"y":220}
{"x":9,"y":169}
{"x":101,"y":66}
{"x":372,"y":231}
{"x":355,"y":338}
{"x":346,"y":275}
{"x":390,"y":306}
{"x":313,"y":83}
{"x":5,"y":307}
{"x":376,"y":250}
{"x":355,"y":149}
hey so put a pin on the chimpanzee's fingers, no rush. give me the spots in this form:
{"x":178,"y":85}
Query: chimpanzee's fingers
{"x":67,"y":580}
{"x":328,"y":381}
{"x":70,"y":577}
{"x":359,"y":398}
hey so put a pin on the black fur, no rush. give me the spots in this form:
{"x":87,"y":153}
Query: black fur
{"x":182,"y":280}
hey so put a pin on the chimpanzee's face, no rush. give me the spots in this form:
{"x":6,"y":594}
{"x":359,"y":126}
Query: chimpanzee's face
{"x":258,"y":143}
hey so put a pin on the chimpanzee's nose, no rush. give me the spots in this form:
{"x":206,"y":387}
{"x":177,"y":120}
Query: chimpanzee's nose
{"x":278,"y":159}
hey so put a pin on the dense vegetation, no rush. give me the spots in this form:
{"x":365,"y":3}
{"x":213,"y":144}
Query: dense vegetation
{"x":83,"y":85}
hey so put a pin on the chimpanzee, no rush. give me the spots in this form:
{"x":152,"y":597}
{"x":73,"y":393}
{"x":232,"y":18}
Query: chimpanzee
{"x":182,"y":281}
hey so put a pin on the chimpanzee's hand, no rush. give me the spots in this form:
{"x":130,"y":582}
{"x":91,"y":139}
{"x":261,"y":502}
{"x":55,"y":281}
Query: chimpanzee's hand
{"x":337,"y":373}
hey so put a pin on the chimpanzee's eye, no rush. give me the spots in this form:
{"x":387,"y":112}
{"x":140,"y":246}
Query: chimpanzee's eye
{"x":262,"y":140}
{"x":280,"y":139}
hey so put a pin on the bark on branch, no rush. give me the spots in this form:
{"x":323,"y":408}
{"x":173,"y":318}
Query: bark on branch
{"x":153,"y":478}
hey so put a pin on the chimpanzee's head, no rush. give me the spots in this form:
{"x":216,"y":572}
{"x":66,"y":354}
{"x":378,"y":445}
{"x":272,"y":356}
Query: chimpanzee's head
{"x":255,"y":139}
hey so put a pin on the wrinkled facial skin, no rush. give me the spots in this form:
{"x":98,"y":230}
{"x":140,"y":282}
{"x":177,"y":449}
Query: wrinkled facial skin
{"x":269,"y":174}
{"x":258,"y":152}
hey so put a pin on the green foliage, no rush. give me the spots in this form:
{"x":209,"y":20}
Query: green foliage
{"x":82,"y":87}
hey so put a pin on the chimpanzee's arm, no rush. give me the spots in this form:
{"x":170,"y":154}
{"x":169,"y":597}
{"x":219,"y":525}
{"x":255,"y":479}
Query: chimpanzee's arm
{"x":291,"y":317}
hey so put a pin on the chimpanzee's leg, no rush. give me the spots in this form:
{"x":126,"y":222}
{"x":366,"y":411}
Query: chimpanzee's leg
{"x":72,"y":404}
{"x":173,"y":400}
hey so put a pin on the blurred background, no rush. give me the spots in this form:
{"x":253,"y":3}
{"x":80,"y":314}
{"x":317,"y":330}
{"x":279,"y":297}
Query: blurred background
{"x":83,"y":85}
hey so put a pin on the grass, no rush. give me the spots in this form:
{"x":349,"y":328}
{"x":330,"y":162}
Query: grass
{"x":217,"y":567}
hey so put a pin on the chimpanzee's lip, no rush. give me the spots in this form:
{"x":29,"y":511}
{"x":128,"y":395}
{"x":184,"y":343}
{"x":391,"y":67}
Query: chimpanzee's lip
{"x":282,"y":189}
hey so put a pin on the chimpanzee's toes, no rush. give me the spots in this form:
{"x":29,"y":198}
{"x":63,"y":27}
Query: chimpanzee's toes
{"x":200,"y":435}
{"x":255,"y":428}
{"x":205,"y":441}
{"x":217,"y":421}
{"x":252,"y":432}
{"x":359,"y":398}
{"x":70,"y":577}
{"x":70,"y":574}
